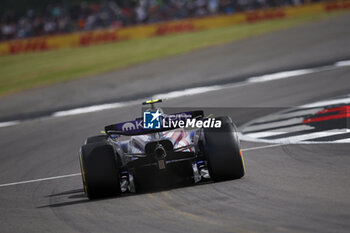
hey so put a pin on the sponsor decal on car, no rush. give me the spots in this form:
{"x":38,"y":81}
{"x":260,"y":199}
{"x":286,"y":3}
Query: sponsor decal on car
{"x":128,"y":126}
{"x":131,"y":126}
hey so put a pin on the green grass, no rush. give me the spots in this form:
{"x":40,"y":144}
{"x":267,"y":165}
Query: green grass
{"x":21,"y":72}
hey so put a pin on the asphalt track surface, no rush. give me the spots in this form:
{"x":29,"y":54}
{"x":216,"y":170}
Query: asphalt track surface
{"x":287,"y":188}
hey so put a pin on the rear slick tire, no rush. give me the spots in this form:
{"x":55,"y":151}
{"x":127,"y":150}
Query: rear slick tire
{"x":99,"y":170}
{"x":223,"y":153}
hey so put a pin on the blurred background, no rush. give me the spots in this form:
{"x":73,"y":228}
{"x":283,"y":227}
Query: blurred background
{"x":26,"y":18}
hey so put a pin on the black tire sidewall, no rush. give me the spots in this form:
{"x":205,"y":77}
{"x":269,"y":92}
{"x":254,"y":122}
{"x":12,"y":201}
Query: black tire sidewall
{"x":222,"y":150}
{"x":100,"y":170}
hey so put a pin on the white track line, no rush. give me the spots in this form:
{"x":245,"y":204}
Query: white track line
{"x":342,"y":63}
{"x":264,"y":134}
{"x":280,"y":131}
{"x":39,"y":180}
{"x":276,"y":124}
{"x":293,"y":129}
{"x":281,"y":75}
{"x":262,"y":147}
{"x":315,"y":135}
{"x":346,"y":140}
{"x":344,"y":100}
{"x":188,"y":92}
{"x":94,"y":108}
{"x":8,"y":123}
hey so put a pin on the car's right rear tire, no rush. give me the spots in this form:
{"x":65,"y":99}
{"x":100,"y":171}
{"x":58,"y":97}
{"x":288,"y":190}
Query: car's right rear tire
{"x":99,"y":170}
{"x":223,"y":153}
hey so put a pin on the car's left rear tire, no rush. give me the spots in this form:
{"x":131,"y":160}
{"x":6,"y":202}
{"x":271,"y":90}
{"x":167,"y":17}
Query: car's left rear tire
{"x":99,"y":170}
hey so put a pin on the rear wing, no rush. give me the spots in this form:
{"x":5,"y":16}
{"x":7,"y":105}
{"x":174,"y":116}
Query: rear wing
{"x":135,"y":127}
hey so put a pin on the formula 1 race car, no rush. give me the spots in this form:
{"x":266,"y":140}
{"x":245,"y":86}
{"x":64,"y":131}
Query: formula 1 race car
{"x":160,"y":150}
